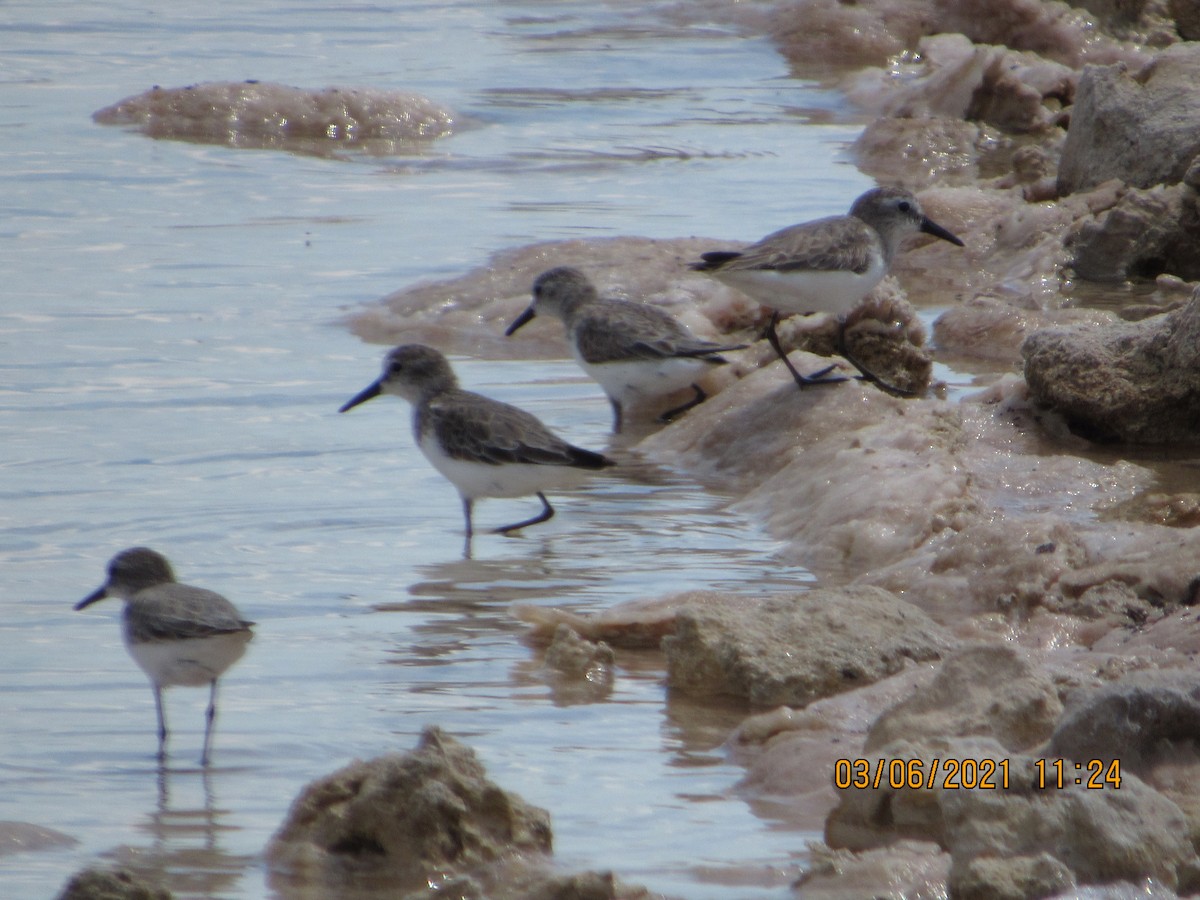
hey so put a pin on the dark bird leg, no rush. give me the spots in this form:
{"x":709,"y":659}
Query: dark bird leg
{"x":695,"y":401}
{"x":467,"y":503}
{"x":865,"y":375}
{"x":802,"y":380}
{"x":617,"y":416}
{"x":162,"y":723}
{"x":209,"y":717}
{"x":546,"y":514}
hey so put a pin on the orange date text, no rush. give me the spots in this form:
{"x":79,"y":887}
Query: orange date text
{"x":921,"y":774}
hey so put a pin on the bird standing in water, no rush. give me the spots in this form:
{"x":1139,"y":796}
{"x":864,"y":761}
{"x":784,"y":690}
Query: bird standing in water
{"x":176,"y":633}
{"x":484,"y":447}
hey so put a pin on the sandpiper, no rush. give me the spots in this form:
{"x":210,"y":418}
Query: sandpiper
{"x":827,"y":265}
{"x":176,"y":633}
{"x":634,"y":350}
{"x":485,"y":448}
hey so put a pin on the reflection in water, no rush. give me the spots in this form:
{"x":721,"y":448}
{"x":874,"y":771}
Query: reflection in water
{"x":185,"y":829}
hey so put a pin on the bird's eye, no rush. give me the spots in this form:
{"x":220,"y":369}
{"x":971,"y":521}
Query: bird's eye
{"x":395,"y":368}
{"x":904,"y":206}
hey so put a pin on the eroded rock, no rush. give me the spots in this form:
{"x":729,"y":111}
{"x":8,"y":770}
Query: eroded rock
{"x":1146,"y":233}
{"x":1126,"y":833}
{"x":1017,"y":92}
{"x":1136,"y":382}
{"x":1011,"y":878}
{"x":793,"y":649}
{"x":1142,"y":128}
{"x":1134,"y":721}
{"x":111,"y":884}
{"x":815,"y":33}
{"x":405,"y":819}
{"x":906,"y":869}
{"x":989,"y":690}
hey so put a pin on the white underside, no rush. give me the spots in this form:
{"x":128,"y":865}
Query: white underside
{"x":641,"y":380}
{"x":475,"y":480}
{"x":805,"y":292}
{"x":192,"y":662}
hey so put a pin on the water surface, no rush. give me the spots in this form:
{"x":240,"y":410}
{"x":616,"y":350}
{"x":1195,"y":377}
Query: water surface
{"x":172,"y":370}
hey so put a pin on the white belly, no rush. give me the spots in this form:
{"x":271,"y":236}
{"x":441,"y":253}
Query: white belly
{"x":805,"y":292}
{"x":475,"y":480}
{"x":641,"y":380}
{"x":191,"y":662}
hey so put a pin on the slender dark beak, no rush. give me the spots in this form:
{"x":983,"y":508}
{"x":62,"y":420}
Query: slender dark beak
{"x":98,"y":594}
{"x":370,"y":392}
{"x":519,"y":321}
{"x":931,"y":227}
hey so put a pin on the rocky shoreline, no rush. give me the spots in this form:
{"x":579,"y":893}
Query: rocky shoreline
{"x":1053,"y":574}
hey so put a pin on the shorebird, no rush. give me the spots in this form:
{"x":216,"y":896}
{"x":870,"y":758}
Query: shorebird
{"x":176,"y":633}
{"x":484,"y":447}
{"x":826,"y":265}
{"x":635,"y":351}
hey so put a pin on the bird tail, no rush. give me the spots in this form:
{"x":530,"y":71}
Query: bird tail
{"x":713,"y":260}
{"x":711,"y":353}
{"x":587,"y":459}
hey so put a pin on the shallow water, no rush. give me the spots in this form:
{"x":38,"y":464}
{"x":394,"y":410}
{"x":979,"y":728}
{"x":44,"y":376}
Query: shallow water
{"x":172,"y":376}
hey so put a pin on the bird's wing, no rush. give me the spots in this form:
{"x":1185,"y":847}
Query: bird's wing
{"x":175,"y":611}
{"x":835,"y":243}
{"x":479,"y":429}
{"x":623,"y":330}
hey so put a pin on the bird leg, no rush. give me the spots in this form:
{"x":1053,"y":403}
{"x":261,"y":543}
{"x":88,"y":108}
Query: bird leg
{"x":209,"y":717}
{"x":864,"y":374}
{"x":802,"y":380}
{"x":162,"y":723}
{"x":695,"y":401}
{"x":546,"y":513}
{"x":467,"y":503}
{"x":617,"y":416}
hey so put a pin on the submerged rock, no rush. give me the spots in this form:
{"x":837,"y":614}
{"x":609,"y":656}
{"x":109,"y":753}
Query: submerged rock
{"x":262,"y":115}
{"x":21,"y":837}
{"x":573,"y":657}
{"x":794,"y":649}
{"x":405,"y":819}
{"x":635,"y":625}
{"x":470,"y":313}
{"x":1136,"y":382}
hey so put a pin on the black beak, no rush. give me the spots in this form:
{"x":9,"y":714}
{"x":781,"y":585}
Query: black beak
{"x":98,"y":594}
{"x":370,"y":392}
{"x":519,"y":321}
{"x":931,"y":227}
